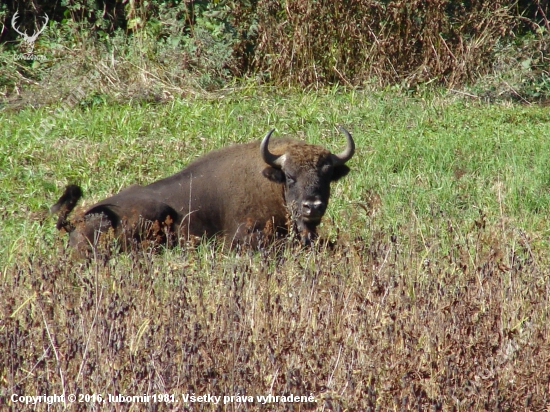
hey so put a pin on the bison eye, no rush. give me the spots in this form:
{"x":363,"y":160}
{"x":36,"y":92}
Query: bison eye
{"x":290,"y":179}
{"x":326,"y":170}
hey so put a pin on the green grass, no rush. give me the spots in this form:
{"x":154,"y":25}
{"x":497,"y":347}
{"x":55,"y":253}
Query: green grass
{"x":417,"y":156}
{"x":437,"y":295}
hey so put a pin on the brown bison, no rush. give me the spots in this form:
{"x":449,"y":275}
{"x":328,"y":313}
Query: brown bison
{"x":247,"y":193}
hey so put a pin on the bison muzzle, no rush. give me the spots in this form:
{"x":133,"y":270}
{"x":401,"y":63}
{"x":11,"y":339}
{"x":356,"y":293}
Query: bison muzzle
{"x":248,"y":193}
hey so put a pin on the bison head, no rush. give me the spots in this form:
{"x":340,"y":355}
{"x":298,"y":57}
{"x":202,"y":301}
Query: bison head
{"x":306,"y":172}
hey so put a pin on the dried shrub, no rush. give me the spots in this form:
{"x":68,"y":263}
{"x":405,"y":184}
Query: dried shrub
{"x":185,"y":45}
{"x":395,"y":41}
{"x":380,"y":322}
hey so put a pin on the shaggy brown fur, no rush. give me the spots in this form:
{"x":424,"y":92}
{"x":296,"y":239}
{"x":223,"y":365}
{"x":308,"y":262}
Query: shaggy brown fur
{"x":230,"y":192}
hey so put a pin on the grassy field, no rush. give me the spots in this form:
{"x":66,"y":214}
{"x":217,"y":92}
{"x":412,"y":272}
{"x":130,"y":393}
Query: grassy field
{"x":436,"y":296}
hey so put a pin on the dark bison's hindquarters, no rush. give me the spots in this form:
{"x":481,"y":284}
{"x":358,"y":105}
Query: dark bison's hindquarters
{"x":243,"y":192}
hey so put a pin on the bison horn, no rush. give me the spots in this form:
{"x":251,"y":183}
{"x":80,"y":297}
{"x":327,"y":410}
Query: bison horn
{"x":270,"y":158}
{"x":343,"y":157}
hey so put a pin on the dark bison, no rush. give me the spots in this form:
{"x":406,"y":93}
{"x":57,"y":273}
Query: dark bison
{"x":248,"y":193}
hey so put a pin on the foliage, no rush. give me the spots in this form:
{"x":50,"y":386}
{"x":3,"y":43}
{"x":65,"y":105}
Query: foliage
{"x":190,"y":44}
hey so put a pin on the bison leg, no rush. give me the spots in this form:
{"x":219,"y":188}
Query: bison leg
{"x":135,"y":220}
{"x":87,"y":231}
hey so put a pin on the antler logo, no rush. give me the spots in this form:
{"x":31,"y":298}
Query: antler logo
{"x":29,"y":40}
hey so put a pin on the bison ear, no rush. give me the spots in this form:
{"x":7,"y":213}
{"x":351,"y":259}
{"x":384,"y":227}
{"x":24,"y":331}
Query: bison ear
{"x":274,"y":174}
{"x":339,"y":171}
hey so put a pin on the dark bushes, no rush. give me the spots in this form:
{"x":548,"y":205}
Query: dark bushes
{"x":314,"y":43}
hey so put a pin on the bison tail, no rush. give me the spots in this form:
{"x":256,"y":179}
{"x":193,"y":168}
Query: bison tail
{"x":65,"y":206}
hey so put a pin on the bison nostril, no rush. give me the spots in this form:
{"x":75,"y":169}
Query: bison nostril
{"x":312,"y":208}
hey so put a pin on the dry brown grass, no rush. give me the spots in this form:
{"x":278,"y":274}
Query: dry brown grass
{"x":407,"y":42}
{"x":429,"y":318}
{"x":164,"y":49}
